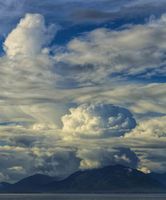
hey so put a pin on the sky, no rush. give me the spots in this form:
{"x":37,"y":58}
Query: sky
{"x":82,"y":86}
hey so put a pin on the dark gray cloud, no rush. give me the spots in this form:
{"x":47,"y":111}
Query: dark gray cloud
{"x":119,"y":12}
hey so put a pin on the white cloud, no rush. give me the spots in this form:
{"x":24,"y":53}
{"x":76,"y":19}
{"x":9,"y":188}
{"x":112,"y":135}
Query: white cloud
{"x":97,"y":121}
{"x":27,"y":65}
{"x":17,"y":169}
{"x":155,"y":127}
{"x":29,"y":37}
{"x":136,"y":50}
{"x":99,"y":157}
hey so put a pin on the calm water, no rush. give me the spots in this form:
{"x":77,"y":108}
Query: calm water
{"x":81,"y":197}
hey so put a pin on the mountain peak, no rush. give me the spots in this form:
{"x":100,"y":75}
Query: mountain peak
{"x":109,"y":179}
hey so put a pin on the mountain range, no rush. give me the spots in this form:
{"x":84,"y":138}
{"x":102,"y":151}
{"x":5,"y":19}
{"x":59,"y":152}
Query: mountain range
{"x":110,"y":179}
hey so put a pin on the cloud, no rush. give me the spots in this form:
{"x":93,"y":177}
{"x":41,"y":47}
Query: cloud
{"x":19,"y":162}
{"x":144,"y":100}
{"x":97,"y":121}
{"x":155,"y":127}
{"x":47,"y":151}
{"x":27,"y":63}
{"x":99,"y":157}
{"x":48,"y":124}
{"x":138,"y":50}
{"x":29,"y":37}
{"x":54,"y":161}
{"x":112,"y":13}
{"x":77,"y":12}
{"x":152,"y":160}
{"x":12,"y":157}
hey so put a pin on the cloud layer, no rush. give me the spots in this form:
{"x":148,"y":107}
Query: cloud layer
{"x":138,"y":50}
{"x":155,"y":127}
{"x":74,"y":104}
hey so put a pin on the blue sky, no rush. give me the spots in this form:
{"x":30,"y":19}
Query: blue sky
{"x":82,"y":86}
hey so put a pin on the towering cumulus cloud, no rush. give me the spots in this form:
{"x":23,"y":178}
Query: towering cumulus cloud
{"x":29,"y":37}
{"x":27,"y":65}
{"x":99,"y":120}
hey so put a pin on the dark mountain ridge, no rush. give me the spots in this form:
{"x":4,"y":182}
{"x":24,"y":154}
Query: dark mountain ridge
{"x":110,"y":179}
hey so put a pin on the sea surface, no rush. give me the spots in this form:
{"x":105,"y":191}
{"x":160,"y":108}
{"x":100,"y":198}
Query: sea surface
{"x":82,"y":197}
